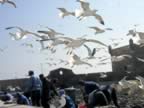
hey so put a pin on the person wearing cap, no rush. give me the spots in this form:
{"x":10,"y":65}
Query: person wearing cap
{"x":21,"y":99}
{"x":34,"y":88}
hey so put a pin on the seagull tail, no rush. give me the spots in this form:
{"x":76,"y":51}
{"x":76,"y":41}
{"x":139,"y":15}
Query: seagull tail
{"x":102,"y":22}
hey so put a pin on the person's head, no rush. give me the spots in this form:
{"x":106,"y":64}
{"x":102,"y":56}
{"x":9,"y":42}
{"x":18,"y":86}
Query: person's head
{"x":5,"y":92}
{"x":41,"y":76}
{"x":18,"y":94}
{"x":54,"y":80}
{"x":61,"y":92}
{"x":81,"y":82}
{"x":31,"y":72}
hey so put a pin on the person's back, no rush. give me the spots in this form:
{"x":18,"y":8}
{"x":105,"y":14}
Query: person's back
{"x":34,"y":88}
{"x":69,"y":102}
{"x":90,"y":86}
{"x":7,"y":97}
{"x":35,"y":83}
{"x":21,"y":99}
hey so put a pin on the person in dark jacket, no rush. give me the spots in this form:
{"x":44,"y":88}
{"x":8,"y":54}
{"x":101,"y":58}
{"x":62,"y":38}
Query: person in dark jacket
{"x":96,"y":95}
{"x":47,"y":88}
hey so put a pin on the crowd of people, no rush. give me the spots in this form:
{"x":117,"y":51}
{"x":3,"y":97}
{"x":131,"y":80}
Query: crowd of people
{"x":42,"y":91}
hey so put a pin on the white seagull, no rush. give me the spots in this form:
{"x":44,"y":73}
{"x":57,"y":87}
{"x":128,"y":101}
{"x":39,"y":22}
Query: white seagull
{"x":141,"y":79}
{"x":91,"y":53}
{"x":85,"y":11}
{"x":99,"y":30}
{"x":51,"y":33}
{"x":103,"y":75}
{"x":21,"y":34}
{"x":27,"y":45}
{"x":76,"y":43}
{"x":75,"y":60}
{"x":3,"y":49}
{"x":123,"y":82}
{"x":131,"y":32}
{"x":8,"y":1}
{"x":64,"y":13}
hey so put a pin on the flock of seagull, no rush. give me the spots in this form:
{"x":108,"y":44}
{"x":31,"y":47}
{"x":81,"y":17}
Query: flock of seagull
{"x":55,"y":38}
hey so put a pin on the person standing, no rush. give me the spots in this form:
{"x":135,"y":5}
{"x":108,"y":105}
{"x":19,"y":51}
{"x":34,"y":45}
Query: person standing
{"x":34,"y":88}
{"x":47,"y":88}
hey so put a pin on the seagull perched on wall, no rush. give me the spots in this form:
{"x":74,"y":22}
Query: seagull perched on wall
{"x":99,"y":30}
{"x":85,"y":11}
{"x":64,"y":13}
{"x":51,"y":33}
{"x":8,"y":1}
{"x":91,"y":53}
{"x":21,"y":34}
{"x":75,"y":60}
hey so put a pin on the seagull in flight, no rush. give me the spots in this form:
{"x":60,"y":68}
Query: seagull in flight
{"x":51,"y":33}
{"x":9,"y":2}
{"x":131,"y":32}
{"x":75,"y":60}
{"x":99,"y":30}
{"x":85,"y":11}
{"x":91,"y":53}
{"x":76,"y":43}
{"x":64,"y":13}
{"x":21,"y":34}
{"x":27,"y":45}
{"x":3,"y":49}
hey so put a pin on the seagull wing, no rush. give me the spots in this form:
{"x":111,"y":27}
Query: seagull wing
{"x":84,"y":5}
{"x":62,"y":10}
{"x":15,"y":27}
{"x":95,"y":41}
{"x":96,"y":28}
{"x":52,"y":30}
{"x":108,"y":29}
{"x":66,"y":38}
{"x":89,"y":50}
{"x":141,"y":35}
{"x":12,"y":3}
{"x":99,"y":18}
{"x":75,"y":57}
{"x":44,"y":32}
{"x":93,"y":52}
{"x":83,"y":62}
